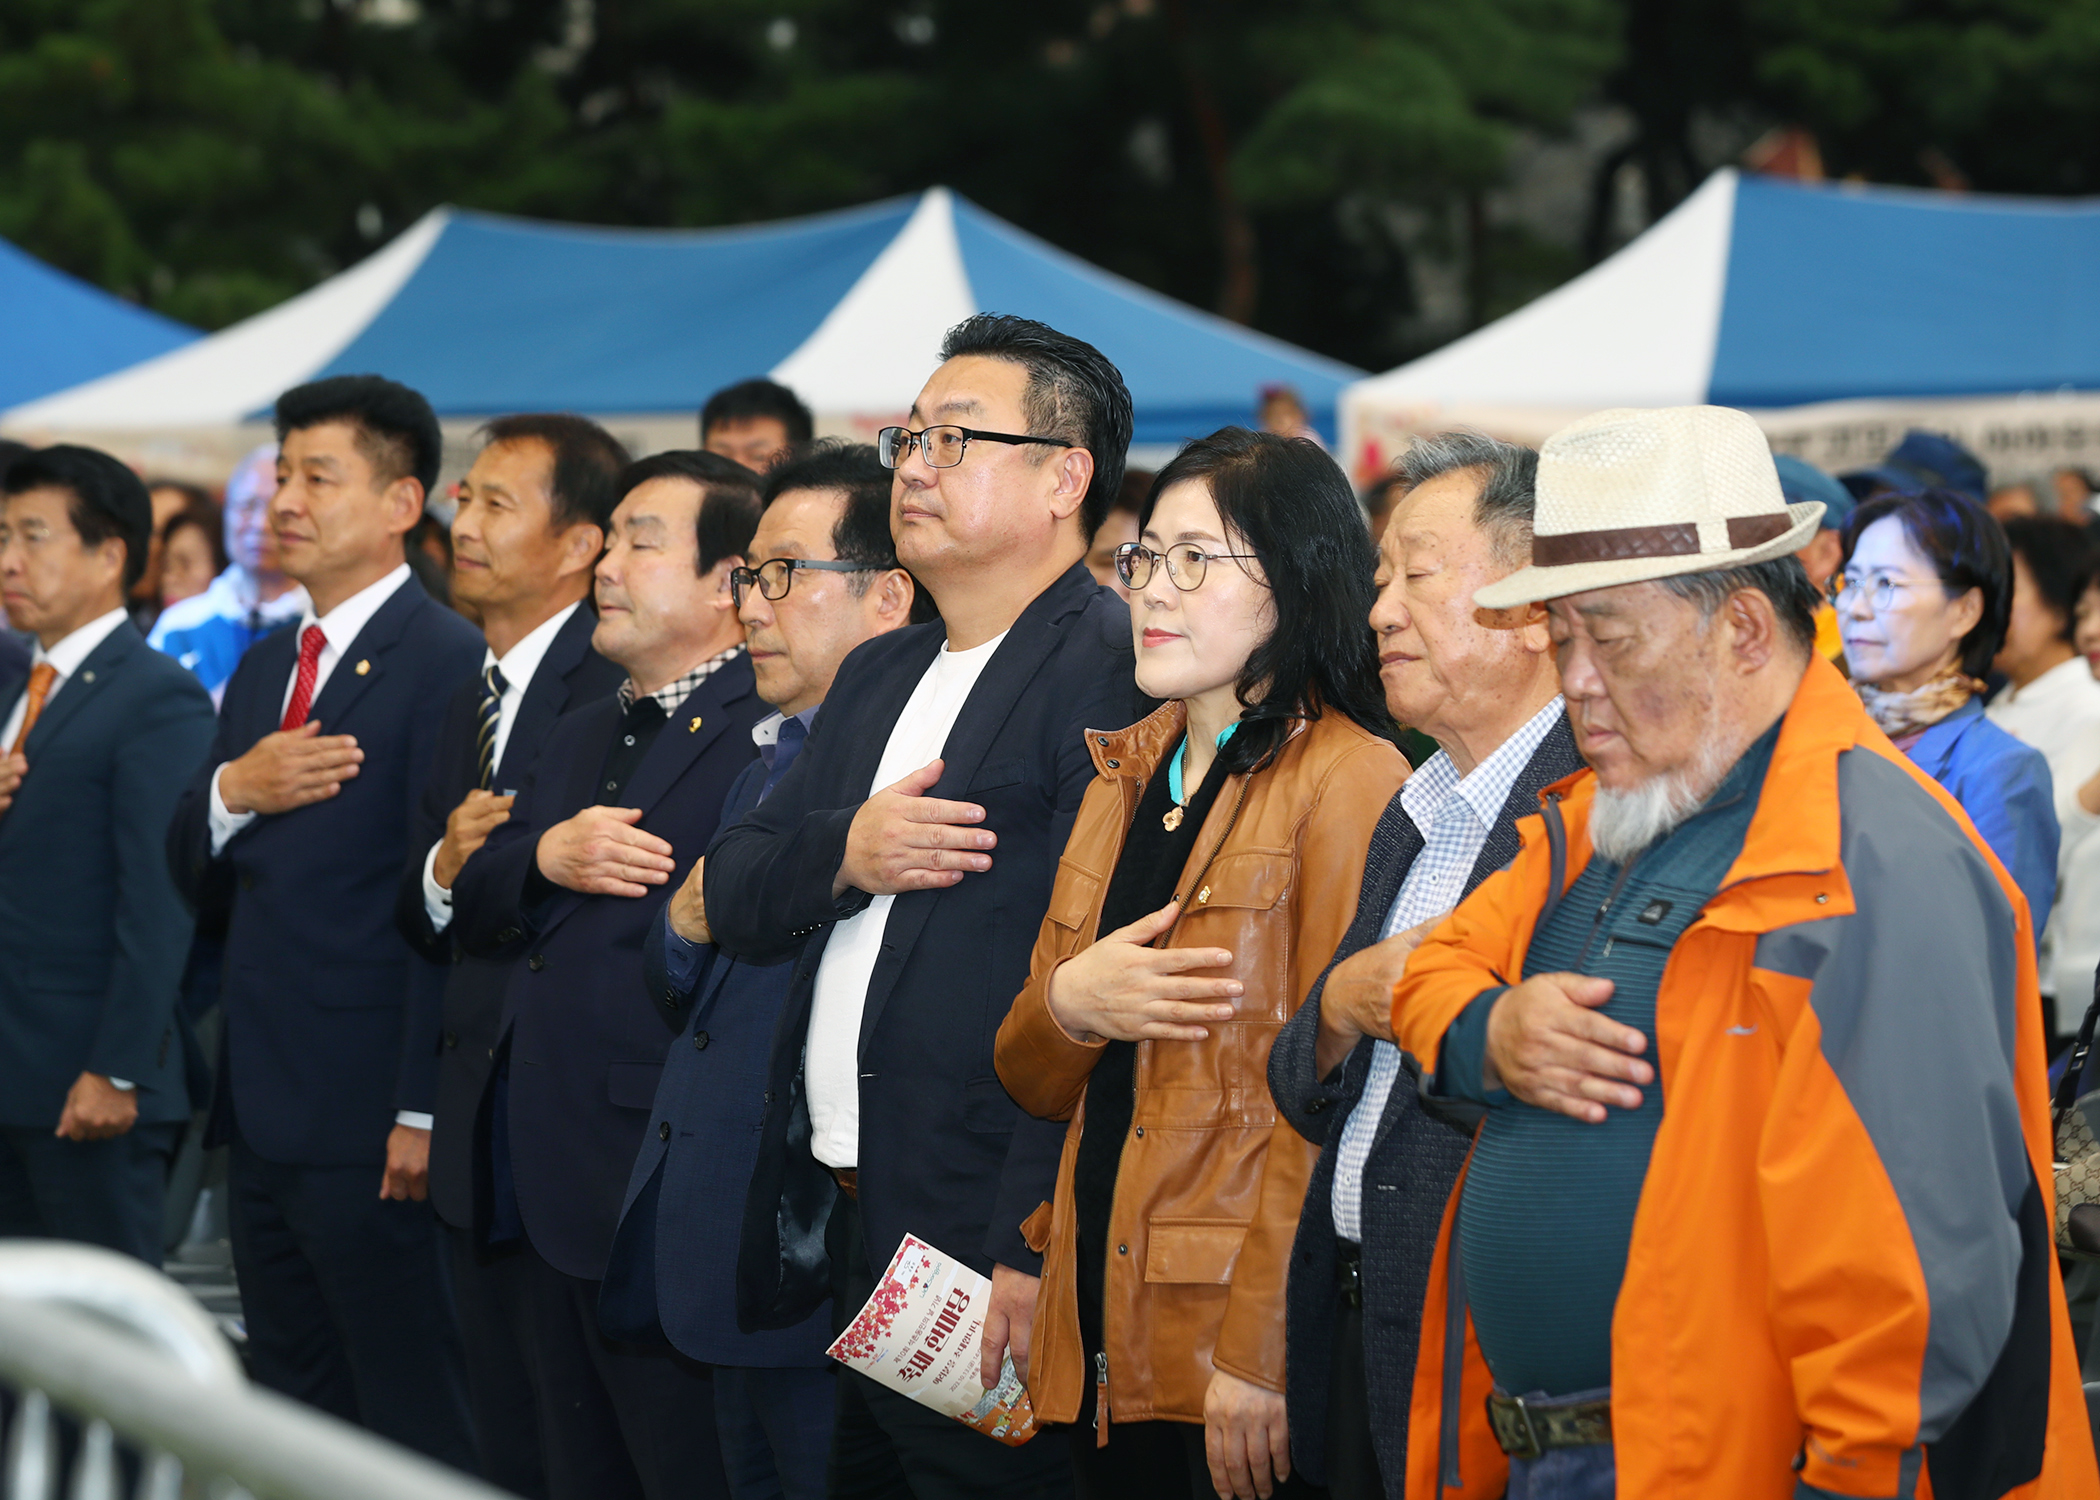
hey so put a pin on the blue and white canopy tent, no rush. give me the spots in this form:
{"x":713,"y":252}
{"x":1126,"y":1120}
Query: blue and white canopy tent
{"x":1837,"y":314}
{"x":58,"y":332}
{"x":488,"y":315}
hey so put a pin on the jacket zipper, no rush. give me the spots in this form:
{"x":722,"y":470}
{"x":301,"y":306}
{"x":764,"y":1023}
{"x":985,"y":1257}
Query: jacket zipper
{"x":1101,"y":1396}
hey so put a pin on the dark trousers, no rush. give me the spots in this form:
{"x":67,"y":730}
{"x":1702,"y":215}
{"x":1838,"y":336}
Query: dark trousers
{"x":617,"y":1421}
{"x":775,"y":1426}
{"x":888,"y":1447}
{"x":1155,"y":1461}
{"x":488,"y":1288}
{"x":106,"y":1192}
{"x":347,"y":1303}
{"x":1352,"y":1462}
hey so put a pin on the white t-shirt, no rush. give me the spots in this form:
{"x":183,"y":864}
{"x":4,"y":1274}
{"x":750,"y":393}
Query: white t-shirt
{"x":831,"y":1065}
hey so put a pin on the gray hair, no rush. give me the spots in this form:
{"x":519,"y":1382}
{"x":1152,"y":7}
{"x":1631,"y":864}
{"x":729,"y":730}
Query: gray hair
{"x":1782,"y":580}
{"x":1508,"y":490}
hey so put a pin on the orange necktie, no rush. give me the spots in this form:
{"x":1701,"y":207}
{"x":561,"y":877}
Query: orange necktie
{"x":41,"y":676}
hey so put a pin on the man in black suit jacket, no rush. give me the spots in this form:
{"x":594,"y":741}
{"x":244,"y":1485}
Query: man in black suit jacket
{"x":530,"y":525}
{"x":1485,"y":691}
{"x":98,"y":738}
{"x":622,"y":799}
{"x":914,"y":843}
{"x":330,"y":1048}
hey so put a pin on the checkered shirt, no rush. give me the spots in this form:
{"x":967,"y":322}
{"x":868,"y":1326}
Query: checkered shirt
{"x":1454,"y":815}
{"x":676,"y":691}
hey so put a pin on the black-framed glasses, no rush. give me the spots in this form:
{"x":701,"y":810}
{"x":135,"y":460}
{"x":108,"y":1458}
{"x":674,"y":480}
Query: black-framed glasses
{"x":945,"y":445}
{"x":1186,"y":564}
{"x":773,"y":579}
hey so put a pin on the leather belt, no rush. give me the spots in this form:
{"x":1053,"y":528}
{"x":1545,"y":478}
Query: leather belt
{"x":1349,"y":1272}
{"x":1525,"y":1430}
{"x":848,"y":1179}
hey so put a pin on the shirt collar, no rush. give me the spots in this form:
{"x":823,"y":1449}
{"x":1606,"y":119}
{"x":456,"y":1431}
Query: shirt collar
{"x":341,"y":625}
{"x":767,"y":730}
{"x":523,"y":659}
{"x":2064,"y":677}
{"x":1486,"y":789}
{"x":69,"y":651}
{"x":676,"y":691}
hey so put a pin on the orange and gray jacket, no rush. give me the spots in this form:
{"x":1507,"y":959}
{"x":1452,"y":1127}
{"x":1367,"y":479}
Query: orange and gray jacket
{"x":1841,"y":1279}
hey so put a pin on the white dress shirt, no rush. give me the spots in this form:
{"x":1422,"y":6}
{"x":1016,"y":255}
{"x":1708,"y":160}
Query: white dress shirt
{"x":65,"y":656}
{"x":831,"y":1063}
{"x":517,"y":665}
{"x":2059,"y":714}
{"x":1454,"y":815}
{"x":339,"y":627}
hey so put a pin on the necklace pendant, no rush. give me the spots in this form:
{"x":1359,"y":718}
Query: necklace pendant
{"x":1171,"y":819}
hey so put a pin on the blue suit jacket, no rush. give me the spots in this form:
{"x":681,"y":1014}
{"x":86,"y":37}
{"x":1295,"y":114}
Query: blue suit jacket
{"x":570,"y":675}
{"x":585,"y":1042}
{"x":2003,"y":784}
{"x":331,"y":1018}
{"x":673,"y":1265}
{"x":15,"y":657}
{"x":944,"y":1153}
{"x":93,"y":933}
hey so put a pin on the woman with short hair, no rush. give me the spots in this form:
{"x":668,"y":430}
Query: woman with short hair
{"x":1211,"y":871}
{"x":1923,"y":595}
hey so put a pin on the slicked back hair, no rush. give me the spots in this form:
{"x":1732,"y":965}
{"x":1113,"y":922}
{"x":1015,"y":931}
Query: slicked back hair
{"x":1074,"y":395}
{"x":729,"y":503}
{"x":1509,"y":476}
{"x":862,"y":531}
{"x":397,"y":432}
{"x":748,"y":400}
{"x":104,"y":498}
{"x":587,"y":463}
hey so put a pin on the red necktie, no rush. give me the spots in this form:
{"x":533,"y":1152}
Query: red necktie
{"x":311,"y":640}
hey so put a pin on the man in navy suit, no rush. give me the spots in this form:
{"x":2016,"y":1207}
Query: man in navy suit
{"x":98,"y":738}
{"x":530,"y":526}
{"x":914,"y":844}
{"x":329,"y":1058}
{"x":622,"y":799}
{"x":823,"y":578}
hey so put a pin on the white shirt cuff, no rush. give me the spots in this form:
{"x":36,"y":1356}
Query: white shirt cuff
{"x":125,"y":1084}
{"x":224,"y":824}
{"x":437,"y":901}
{"x":414,"y":1119}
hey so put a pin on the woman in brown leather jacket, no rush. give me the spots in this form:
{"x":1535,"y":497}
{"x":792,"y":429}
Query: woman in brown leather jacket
{"x":1211,"y":871}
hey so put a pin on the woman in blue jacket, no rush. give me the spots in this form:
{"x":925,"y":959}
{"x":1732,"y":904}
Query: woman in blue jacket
{"x":1922,"y":598}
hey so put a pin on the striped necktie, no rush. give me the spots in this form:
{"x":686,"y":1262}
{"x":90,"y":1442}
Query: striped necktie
{"x":492,"y":686}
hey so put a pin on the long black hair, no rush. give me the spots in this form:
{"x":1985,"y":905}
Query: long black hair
{"x":1284,"y":500}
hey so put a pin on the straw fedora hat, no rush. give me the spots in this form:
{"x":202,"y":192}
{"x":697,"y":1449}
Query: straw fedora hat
{"x":1630,"y":495}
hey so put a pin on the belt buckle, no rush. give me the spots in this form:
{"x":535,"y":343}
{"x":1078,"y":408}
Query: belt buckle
{"x":1532,"y":1448}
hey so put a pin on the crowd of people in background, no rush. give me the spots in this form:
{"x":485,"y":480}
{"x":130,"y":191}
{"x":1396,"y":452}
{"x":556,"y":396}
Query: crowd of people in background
{"x":1534,"y":979}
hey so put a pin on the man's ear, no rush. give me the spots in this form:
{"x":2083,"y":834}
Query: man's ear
{"x":892,"y":595}
{"x":1527,"y":620}
{"x":1075,"y":471}
{"x":1754,"y":625}
{"x":718,"y":592}
{"x":404,"y":503}
{"x":581,"y":547}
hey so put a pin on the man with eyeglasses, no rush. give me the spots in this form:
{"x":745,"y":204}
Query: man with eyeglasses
{"x":623,"y":797}
{"x":824,"y":579}
{"x":909,"y":855}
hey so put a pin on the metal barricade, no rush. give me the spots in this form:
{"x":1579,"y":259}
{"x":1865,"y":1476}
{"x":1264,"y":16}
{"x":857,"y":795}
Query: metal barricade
{"x":117,"y":1381}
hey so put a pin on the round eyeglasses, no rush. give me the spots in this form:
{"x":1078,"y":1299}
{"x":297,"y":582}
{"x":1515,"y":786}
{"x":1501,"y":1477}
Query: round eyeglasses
{"x":944,"y":446}
{"x":1879,"y":588}
{"x":1186,"y":564}
{"x":773,"y":579}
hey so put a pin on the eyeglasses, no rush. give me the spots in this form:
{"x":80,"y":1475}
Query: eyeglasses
{"x":1880,"y":589}
{"x":773,"y":579}
{"x":943,"y":446}
{"x":1186,"y":564}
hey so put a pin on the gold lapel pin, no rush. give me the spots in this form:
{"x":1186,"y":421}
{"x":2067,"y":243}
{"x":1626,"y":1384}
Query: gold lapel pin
{"x":694,"y":727}
{"x":363,"y":667}
{"x":87,"y":676}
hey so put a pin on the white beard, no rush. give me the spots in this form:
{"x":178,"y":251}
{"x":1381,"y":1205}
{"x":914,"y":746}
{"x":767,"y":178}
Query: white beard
{"x":1624,"y":823}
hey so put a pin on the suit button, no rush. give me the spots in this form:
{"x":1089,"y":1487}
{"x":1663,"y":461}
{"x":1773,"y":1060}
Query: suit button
{"x":699,"y":1041}
{"x":492,"y":1054}
{"x":663,"y":1131}
{"x":509,"y":935}
{"x":452,"y":1039}
{"x":1314,"y":1106}
{"x":1122,"y":1249}
{"x":537,"y":962}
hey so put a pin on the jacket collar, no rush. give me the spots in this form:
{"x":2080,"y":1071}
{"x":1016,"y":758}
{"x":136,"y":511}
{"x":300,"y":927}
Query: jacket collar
{"x":1135,"y":754}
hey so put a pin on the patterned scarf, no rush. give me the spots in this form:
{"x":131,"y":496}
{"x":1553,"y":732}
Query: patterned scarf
{"x":1904,"y":714}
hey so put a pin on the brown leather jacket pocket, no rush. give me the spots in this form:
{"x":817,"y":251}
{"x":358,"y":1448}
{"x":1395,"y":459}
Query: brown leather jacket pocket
{"x":1193,"y":1250}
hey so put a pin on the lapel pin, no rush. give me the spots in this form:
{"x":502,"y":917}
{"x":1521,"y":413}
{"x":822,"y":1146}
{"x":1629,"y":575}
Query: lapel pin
{"x":363,"y":667}
{"x":694,"y":727}
{"x":87,"y":676}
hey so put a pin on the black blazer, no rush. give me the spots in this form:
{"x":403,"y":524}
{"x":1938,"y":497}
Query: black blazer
{"x":331,"y":1018}
{"x":93,"y":933}
{"x":570,"y":675}
{"x":944,"y":1153}
{"x":585,"y":1042}
{"x":673,"y":1265}
{"x":1413,"y":1163}
{"x":15,"y":657}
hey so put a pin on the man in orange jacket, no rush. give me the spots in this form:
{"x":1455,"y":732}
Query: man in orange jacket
{"x":1761,"y":1203}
